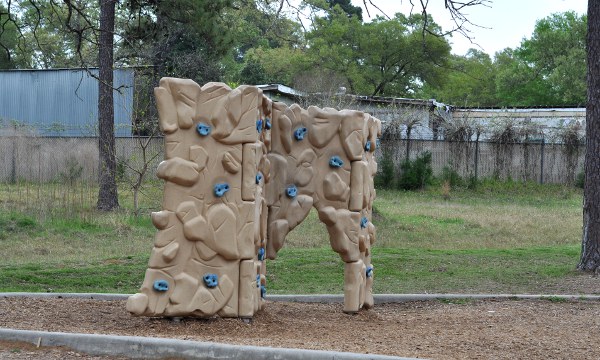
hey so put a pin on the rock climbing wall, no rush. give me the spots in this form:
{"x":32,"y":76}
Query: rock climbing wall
{"x":324,"y":158}
{"x":240,"y":173}
{"x":208,"y":255}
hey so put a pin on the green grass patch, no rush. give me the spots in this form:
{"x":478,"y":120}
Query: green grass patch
{"x":320,"y":271}
{"x":525,"y":216}
{"x":118,"y":275}
{"x":12,"y":223}
{"x":499,"y":238}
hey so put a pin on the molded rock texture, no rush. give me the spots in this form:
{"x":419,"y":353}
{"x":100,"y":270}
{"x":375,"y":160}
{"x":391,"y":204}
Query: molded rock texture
{"x":240,"y":173}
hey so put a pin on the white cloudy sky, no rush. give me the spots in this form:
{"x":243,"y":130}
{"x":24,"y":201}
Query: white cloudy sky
{"x":504,"y":24}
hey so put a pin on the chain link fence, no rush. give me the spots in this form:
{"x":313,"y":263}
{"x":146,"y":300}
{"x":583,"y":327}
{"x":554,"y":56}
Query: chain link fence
{"x":528,"y":161}
{"x":52,"y":176}
{"x":70,"y":160}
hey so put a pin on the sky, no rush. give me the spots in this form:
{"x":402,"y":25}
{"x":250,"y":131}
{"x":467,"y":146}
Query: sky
{"x":503,"y":24}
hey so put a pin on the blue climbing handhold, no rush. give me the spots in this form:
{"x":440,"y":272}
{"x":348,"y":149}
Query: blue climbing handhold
{"x":259,"y":124}
{"x":211,"y":280}
{"x":300,"y":133}
{"x":263,"y":291}
{"x":268,"y":123}
{"x":257,"y":280}
{"x":161,"y":285}
{"x":221,"y":189}
{"x":336,"y":162}
{"x":259,"y":177}
{"x":261,"y":254}
{"x":363,"y":222}
{"x":203,"y":129}
{"x":368,"y":145}
{"x":369,"y":272}
{"x":291,"y":191}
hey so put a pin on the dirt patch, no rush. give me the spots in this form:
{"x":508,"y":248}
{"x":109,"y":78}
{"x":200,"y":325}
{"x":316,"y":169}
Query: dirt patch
{"x":502,"y":329}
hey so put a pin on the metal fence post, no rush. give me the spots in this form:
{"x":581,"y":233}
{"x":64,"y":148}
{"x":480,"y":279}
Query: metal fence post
{"x":476,"y":158}
{"x":542,"y":161}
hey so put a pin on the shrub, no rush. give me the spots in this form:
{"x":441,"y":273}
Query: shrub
{"x":452,"y":177}
{"x":580,"y":180}
{"x":472,"y":183}
{"x":73,"y":171}
{"x":384,"y":179}
{"x":416,"y":174}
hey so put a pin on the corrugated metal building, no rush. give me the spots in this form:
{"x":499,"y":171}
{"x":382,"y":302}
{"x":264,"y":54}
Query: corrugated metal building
{"x":62,"y":102}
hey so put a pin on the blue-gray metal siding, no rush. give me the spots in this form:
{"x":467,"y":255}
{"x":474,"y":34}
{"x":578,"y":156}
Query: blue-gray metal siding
{"x":62,"y":102}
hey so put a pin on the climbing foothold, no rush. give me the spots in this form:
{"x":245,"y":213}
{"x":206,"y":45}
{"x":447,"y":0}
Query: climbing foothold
{"x":211,"y":280}
{"x":261,"y":254}
{"x":378,"y":142}
{"x":259,"y":125}
{"x":336,"y":162}
{"x":291,"y":191}
{"x":257,"y":280}
{"x":263,"y":291}
{"x":369,"y":271}
{"x":368,"y":145}
{"x":363,"y":222}
{"x":259,"y":177}
{"x":300,"y":133}
{"x":221,"y":189}
{"x":267,"y":123}
{"x":203,"y":129}
{"x":161,"y":285}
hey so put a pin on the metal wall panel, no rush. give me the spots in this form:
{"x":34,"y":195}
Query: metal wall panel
{"x":62,"y":102}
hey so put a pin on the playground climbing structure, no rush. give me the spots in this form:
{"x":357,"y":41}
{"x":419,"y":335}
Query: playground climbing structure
{"x":240,"y":173}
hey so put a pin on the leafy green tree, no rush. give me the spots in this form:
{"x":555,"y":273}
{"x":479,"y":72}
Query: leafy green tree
{"x":347,"y":7}
{"x":344,"y":5}
{"x":8,"y":40}
{"x":47,"y":34}
{"x":547,"y":69}
{"x":183,"y":38}
{"x":403,"y":57}
{"x":383,"y":57}
{"x":517,"y":83}
{"x":333,"y":46}
{"x":557,"y":50}
{"x":257,"y":28}
{"x":471,"y":81}
{"x":278,"y":65}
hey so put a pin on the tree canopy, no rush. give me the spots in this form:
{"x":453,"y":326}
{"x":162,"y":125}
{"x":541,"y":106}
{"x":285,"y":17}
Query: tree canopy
{"x":547,"y":69}
{"x":255,"y":41}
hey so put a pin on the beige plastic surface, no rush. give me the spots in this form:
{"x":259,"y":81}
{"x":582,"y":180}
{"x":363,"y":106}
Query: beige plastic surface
{"x":277,"y":163}
{"x":342,"y":192}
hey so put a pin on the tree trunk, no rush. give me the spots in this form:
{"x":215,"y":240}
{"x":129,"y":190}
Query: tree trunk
{"x":107,"y":195}
{"x":590,"y":244}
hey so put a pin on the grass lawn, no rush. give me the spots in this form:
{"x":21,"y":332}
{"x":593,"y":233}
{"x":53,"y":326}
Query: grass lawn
{"x":501,"y":237}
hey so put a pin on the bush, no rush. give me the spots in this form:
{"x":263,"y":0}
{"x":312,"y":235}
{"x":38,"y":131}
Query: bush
{"x":384,"y":179}
{"x":472,"y":183}
{"x":452,"y":177}
{"x":580,"y":179}
{"x":416,"y":174}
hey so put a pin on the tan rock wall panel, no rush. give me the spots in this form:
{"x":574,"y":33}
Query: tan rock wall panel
{"x":240,"y":173}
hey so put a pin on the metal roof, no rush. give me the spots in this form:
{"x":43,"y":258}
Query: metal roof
{"x":62,"y":102}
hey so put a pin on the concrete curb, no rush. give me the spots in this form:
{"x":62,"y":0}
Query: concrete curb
{"x":334,"y":298}
{"x":400,"y":298}
{"x":158,"y":348}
